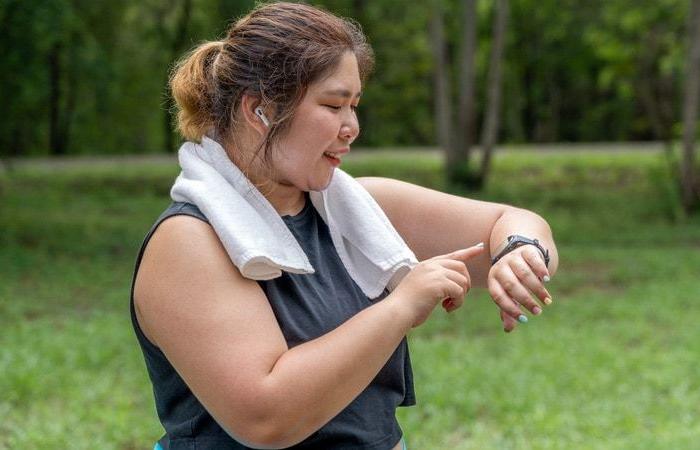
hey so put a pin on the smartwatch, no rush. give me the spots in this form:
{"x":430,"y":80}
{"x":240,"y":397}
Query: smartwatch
{"x":514,"y":241}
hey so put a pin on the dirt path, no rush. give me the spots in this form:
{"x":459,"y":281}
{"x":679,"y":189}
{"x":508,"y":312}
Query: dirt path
{"x":73,"y":162}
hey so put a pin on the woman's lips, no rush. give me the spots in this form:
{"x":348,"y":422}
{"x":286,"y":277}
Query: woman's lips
{"x":335,"y":162}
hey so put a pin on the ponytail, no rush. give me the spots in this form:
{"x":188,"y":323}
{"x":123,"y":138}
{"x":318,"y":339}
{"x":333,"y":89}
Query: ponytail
{"x":194,"y":90}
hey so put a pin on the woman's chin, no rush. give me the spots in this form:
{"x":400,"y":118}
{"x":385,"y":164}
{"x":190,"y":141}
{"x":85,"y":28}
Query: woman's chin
{"x":322,"y":186}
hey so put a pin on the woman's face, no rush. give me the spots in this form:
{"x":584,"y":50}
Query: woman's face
{"x":324,"y":122}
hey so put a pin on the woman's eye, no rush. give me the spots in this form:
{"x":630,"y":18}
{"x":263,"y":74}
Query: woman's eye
{"x":338,"y":108}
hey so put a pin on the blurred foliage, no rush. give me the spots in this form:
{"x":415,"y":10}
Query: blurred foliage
{"x":574,"y":71}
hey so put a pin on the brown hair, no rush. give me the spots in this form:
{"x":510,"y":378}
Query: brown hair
{"x":274,"y":53}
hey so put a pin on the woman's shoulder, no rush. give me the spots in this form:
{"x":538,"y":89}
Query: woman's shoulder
{"x":183,"y":255}
{"x":179,"y":209}
{"x":182,"y":240}
{"x":179,"y":227}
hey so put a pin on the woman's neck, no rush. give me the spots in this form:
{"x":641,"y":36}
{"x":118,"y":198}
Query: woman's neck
{"x":285,"y":198}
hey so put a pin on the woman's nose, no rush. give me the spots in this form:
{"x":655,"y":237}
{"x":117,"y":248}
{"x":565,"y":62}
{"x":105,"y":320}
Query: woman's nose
{"x":350,"y":129}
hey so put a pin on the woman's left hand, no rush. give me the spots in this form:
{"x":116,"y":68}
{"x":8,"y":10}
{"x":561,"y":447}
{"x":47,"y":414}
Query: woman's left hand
{"x":516,"y":280}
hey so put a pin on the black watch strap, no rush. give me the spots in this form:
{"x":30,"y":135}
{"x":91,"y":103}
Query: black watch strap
{"x":514,"y":241}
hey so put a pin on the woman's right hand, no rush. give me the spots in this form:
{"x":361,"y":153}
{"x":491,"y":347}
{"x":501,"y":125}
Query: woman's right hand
{"x":440,"y":278}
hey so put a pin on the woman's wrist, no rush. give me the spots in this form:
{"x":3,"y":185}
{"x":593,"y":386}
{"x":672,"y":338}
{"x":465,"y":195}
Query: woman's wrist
{"x":400,"y":311}
{"x":516,"y":240}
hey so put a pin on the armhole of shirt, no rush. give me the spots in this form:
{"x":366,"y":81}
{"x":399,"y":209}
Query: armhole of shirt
{"x":172,"y":211}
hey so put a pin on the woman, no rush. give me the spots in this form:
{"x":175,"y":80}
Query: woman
{"x":303,"y":360}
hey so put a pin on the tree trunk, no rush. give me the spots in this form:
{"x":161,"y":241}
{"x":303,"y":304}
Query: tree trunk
{"x":645,"y":91}
{"x":441,"y":81}
{"x":63,"y":93}
{"x":691,"y":192}
{"x":71,"y":91}
{"x":458,"y":156}
{"x":12,"y":144}
{"x":177,"y":43}
{"x":489,"y":133}
{"x":57,"y":144}
{"x":656,"y":93}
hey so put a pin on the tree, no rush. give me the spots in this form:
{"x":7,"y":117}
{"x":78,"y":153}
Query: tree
{"x":640,"y":60}
{"x":81,"y":76}
{"x":689,"y":181}
{"x":396,"y":101}
{"x":458,"y":170}
{"x":172,"y":24}
{"x":489,"y":133}
{"x":37,"y":84}
{"x":61,"y":101}
{"x":441,"y":80}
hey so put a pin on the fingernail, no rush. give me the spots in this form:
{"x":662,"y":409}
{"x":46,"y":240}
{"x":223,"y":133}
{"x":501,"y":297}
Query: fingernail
{"x":547,"y":301}
{"x":537,"y":310}
{"x":546,"y":278}
{"x":480,"y":244}
{"x":522,"y":318}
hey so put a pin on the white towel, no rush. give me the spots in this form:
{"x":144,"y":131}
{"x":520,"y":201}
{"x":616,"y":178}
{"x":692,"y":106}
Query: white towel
{"x":257,"y":239}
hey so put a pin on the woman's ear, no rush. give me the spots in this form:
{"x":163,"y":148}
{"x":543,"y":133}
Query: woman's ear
{"x":253,"y":114}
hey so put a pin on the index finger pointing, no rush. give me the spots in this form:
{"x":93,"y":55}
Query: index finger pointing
{"x":468,"y":253}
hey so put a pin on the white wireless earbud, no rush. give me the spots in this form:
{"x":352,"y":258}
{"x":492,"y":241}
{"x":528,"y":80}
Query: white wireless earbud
{"x":259,"y":112}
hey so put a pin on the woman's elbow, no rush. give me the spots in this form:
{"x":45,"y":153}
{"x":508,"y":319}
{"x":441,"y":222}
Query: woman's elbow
{"x":266,"y":428}
{"x":262,"y":434}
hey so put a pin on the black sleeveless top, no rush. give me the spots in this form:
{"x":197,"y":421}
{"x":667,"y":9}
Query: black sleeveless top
{"x":306,"y":306}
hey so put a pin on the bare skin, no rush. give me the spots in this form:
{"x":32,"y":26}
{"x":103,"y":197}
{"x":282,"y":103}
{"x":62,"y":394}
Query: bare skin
{"x":229,"y":348}
{"x":433,"y":222}
{"x":231,"y":353}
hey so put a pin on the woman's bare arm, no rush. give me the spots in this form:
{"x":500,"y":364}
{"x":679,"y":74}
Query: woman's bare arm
{"x":432,"y":222}
{"x":218,"y":330}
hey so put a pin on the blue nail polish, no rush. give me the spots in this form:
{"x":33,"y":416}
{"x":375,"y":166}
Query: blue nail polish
{"x":522,"y":318}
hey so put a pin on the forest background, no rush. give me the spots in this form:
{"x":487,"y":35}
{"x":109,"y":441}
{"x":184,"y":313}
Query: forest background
{"x":86,"y":77}
{"x":87,"y":159}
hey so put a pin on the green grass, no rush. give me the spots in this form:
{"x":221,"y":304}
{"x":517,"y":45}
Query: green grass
{"x":612,"y":364}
